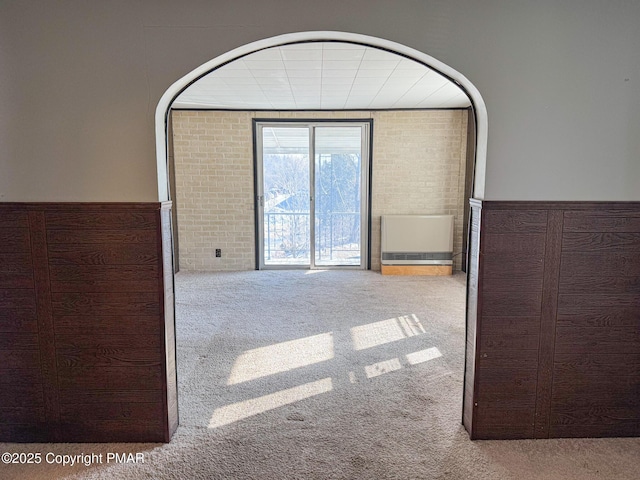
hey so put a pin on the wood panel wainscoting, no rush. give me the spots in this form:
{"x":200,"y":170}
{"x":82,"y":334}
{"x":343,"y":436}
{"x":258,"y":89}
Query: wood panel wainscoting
{"x":553,"y":320}
{"x":87,"y":344}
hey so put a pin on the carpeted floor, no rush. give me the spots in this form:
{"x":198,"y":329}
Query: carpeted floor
{"x":323,"y":375}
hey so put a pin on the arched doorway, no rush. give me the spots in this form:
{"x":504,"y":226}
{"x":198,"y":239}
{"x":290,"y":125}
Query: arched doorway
{"x":478,"y":105}
{"x":178,"y":87}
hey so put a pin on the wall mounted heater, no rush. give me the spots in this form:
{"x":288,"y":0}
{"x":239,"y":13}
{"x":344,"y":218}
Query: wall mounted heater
{"x":417,"y":240}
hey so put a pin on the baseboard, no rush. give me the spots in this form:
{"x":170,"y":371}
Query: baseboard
{"x":427,"y":270}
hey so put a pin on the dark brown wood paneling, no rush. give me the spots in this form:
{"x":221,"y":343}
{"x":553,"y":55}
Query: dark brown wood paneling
{"x":506,"y":382}
{"x":626,"y":316}
{"x":597,"y":369}
{"x":115,"y":274}
{"x":524,"y":273}
{"x":602,"y":285}
{"x":19,"y":341}
{"x":510,"y":302}
{"x":46,"y":336}
{"x":11,"y":219}
{"x":21,"y":389}
{"x":581,"y":365}
{"x":501,"y":342}
{"x":14,"y":240}
{"x":102,"y":220}
{"x":107,"y":430}
{"x":21,"y":415}
{"x":111,"y":357}
{"x":119,"y":237}
{"x":583,"y":261}
{"x":104,"y":286}
{"x":603,"y":220}
{"x":86,"y":397}
{"x":83,"y":354}
{"x":553,"y":252}
{"x":105,"y":304}
{"x":513,"y":221}
{"x":511,"y":326}
{"x":514,"y":245}
{"x":15,"y":395}
{"x":111,"y":378}
{"x":517,"y":359}
{"x":618,"y":429}
{"x":16,"y":271}
{"x":598,"y":242}
{"x":18,"y":310}
{"x":596,"y":303}
{"x":107,"y":325}
{"x":144,"y":413}
{"x":606,"y":264}
{"x":107,"y":343}
{"x":512,"y":249}
{"x":101,"y":254}
{"x":598,"y":339}
{"x":16,"y":360}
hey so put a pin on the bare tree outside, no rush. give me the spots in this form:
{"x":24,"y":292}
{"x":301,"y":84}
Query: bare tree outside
{"x":288,"y":195}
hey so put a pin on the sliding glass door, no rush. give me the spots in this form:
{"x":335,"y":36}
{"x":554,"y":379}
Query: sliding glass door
{"x":312,"y":194}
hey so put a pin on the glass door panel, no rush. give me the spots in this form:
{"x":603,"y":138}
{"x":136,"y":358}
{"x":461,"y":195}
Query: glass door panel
{"x":312,"y":195}
{"x":338,"y":196}
{"x":286,"y":197}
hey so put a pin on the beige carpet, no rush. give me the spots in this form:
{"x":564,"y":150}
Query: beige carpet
{"x":328,"y":374}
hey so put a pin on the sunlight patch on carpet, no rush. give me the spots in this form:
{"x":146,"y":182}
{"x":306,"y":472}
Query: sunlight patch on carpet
{"x":382,"y":367}
{"x":423,"y":355}
{"x":385,"y":331}
{"x":394,"y":364}
{"x":281,"y":357}
{"x":254,"y":406}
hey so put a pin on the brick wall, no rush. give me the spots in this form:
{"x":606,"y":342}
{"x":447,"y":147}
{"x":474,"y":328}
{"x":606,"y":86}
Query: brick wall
{"x":419,"y":162}
{"x":418,"y":167}
{"x":214,"y":190}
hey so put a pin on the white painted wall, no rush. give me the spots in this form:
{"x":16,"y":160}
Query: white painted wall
{"x":79,"y":83}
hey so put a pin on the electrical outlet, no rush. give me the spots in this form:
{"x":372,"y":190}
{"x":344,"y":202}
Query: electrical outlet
{"x":218,"y":252}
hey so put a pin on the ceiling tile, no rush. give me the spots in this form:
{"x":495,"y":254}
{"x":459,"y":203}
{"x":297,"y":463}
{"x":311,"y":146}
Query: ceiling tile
{"x":358,"y":101}
{"x":365,"y":90}
{"x":379,"y":73}
{"x":269,"y":74}
{"x":302,"y":65}
{"x":315,"y":81}
{"x":346,"y":80}
{"x":246,"y":80}
{"x":339,"y":73}
{"x":264,"y":64}
{"x":378,"y":64}
{"x":327,"y":75}
{"x":303,"y":73}
{"x":369,"y":81}
{"x":340,"y":64}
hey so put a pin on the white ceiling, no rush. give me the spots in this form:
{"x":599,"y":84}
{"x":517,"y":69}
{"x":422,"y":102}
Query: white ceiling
{"x":322,"y":76}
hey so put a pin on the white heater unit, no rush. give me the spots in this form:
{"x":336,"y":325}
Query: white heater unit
{"x":417,"y":239}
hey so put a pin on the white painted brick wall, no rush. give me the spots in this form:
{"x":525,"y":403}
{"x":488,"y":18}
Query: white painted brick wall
{"x":418,"y":168}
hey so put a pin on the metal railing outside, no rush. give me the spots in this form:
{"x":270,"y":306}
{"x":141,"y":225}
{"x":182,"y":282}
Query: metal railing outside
{"x":337,"y":238}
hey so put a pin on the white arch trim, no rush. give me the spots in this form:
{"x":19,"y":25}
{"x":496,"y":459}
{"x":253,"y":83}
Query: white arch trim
{"x":174,"y":90}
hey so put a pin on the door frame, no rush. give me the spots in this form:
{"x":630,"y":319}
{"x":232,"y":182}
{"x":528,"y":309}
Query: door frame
{"x":365,"y":186}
